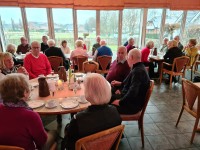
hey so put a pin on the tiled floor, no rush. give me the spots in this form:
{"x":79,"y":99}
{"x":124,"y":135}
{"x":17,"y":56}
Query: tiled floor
{"x":159,"y":123}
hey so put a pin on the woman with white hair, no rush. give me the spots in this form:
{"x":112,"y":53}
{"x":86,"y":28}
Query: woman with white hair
{"x":97,"y":117}
{"x":79,"y":50}
{"x":145,"y":58}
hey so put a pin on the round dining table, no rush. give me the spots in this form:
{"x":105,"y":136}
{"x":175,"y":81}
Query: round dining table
{"x":58,"y":97}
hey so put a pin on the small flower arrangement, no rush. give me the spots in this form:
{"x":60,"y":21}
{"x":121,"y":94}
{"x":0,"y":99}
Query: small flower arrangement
{"x":170,"y":28}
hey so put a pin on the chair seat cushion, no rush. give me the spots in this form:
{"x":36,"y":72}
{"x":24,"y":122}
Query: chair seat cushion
{"x":131,"y":117}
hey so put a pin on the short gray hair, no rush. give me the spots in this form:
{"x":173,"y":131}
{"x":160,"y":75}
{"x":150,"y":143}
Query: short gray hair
{"x":101,"y":94}
{"x":51,"y":42}
{"x":79,"y":43}
{"x":135,"y":54}
{"x":149,"y":44}
{"x":17,"y":85}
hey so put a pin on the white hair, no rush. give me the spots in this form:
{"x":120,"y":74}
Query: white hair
{"x":101,"y":94}
{"x":51,"y":42}
{"x":135,"y":54}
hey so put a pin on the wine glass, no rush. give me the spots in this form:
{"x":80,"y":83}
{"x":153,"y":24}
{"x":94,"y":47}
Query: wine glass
{"x":75,"y":88}
{"x":52,"y":87}
{"x":52,"y":72}
{"x":79,"y":82}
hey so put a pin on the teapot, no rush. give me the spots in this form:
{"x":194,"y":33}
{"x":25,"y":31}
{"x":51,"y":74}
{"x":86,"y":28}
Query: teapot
{"x":62,"y":73}
{"x":43,"y":87}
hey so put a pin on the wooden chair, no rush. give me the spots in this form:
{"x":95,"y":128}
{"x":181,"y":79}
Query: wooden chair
{"x":191,"y":103}
{"x":191,"y":67}
{"x":178,"y":68}
{"x":55,"y":62}
{"x":90,"y":66}
{"x":104,"y":61}
{"x":196,"y":65}
{"x":78,"y":60}
{"x":7,"y":147}
{"x":104,"y":140}
{"x":140,"y":115}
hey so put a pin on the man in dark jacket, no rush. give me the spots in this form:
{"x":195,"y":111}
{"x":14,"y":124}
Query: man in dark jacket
{"x":55,"y":51}
{"x":131,"y":98}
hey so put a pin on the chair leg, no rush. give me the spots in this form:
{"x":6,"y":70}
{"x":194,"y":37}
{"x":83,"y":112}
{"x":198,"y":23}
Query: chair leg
{"x":194,"y":130}
{"x":142,"y":134}
{"x":179,"y":117}
{"x":170,"y":81}
{"x":161,"y":76}
{"x":191,"y":73}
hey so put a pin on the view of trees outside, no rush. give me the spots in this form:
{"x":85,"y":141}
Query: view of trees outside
{"x":86,"y":22}
{"x":12,"y":26}
{"x":153,"y":25}
{"x":37,"y":23}
{"x":131,"y":25}
{"x":192,"y":27}
{"x":109,"y":28}
{"x":63,"y":26}
{"x":173,"y":23}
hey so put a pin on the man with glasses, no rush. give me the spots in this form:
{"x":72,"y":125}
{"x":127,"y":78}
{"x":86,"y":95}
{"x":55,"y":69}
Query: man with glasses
{"x":36,"y":63}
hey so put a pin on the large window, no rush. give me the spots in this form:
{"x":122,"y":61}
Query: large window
{"x":63,"y":26}
{"x":12,"y":26}
{"x":153,"y":25}
{"x":86,"y":22}
{"x":192,"y":26}
{"x":37,"y":23}
{"x":109,"y":28}
{"x":131,"y":25}
{"x":173,"y":23}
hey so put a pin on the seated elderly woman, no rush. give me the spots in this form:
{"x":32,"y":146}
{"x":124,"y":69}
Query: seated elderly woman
{"x":7,"y":65}
{"x":20,"y":125}
{"x":190,"y":50}
{"x":97,"y":117}
{"x":172,"y":53}
{"x":79,"y":50}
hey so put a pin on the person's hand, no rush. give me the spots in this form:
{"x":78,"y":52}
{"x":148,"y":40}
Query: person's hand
{"x":22,"y":70}
{"x":116,"y":102}
{"x":115,"y":83}
{"x":117,"y":92}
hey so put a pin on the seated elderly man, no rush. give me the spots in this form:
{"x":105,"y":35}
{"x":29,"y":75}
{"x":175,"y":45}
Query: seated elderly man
{"x":96,"y":45}
{"x":44,"y":44}
{"x":97,"y":117}
{"x":119,"y":69}
{"x":55,"y":51}
{"x":131,"y":98}
{"x":130,"y":45}
{"x":24,"y":47}
{"x":36,"y":63}
{"x":177,"y":39}
{"x":103,"y":50}
{"x":7,"y":65}
{"x":163,"y":48}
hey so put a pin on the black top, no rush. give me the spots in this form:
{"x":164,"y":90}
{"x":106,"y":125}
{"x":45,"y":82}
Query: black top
{"x":44,"y":47}
{"x":135,"y":87}
{"x":94,"y":119}
{"x":171,"y":54}
{"x":55,"y":51}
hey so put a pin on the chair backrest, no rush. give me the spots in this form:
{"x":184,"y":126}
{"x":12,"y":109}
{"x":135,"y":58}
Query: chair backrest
{"x":104,"y":140}
{"x":55,"y":62}
{"x":104,"y":61}
{"x":191,"y":94}
{"x":90,"y":66}
{"x":78,"y":60}
{"x":147,"y":98}
{"x":180,"y":64}
{"x":7,"y":147}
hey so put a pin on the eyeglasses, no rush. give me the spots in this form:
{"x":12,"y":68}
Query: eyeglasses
{"x":35,"y":47}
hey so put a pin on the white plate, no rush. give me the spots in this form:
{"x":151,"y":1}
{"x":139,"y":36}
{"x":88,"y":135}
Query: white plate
{"x":35,"y":103}
{"x":51,"y":104}
{"x":79,"y":74}
{"x":69,"y":104}
{"x":52,"y":76}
